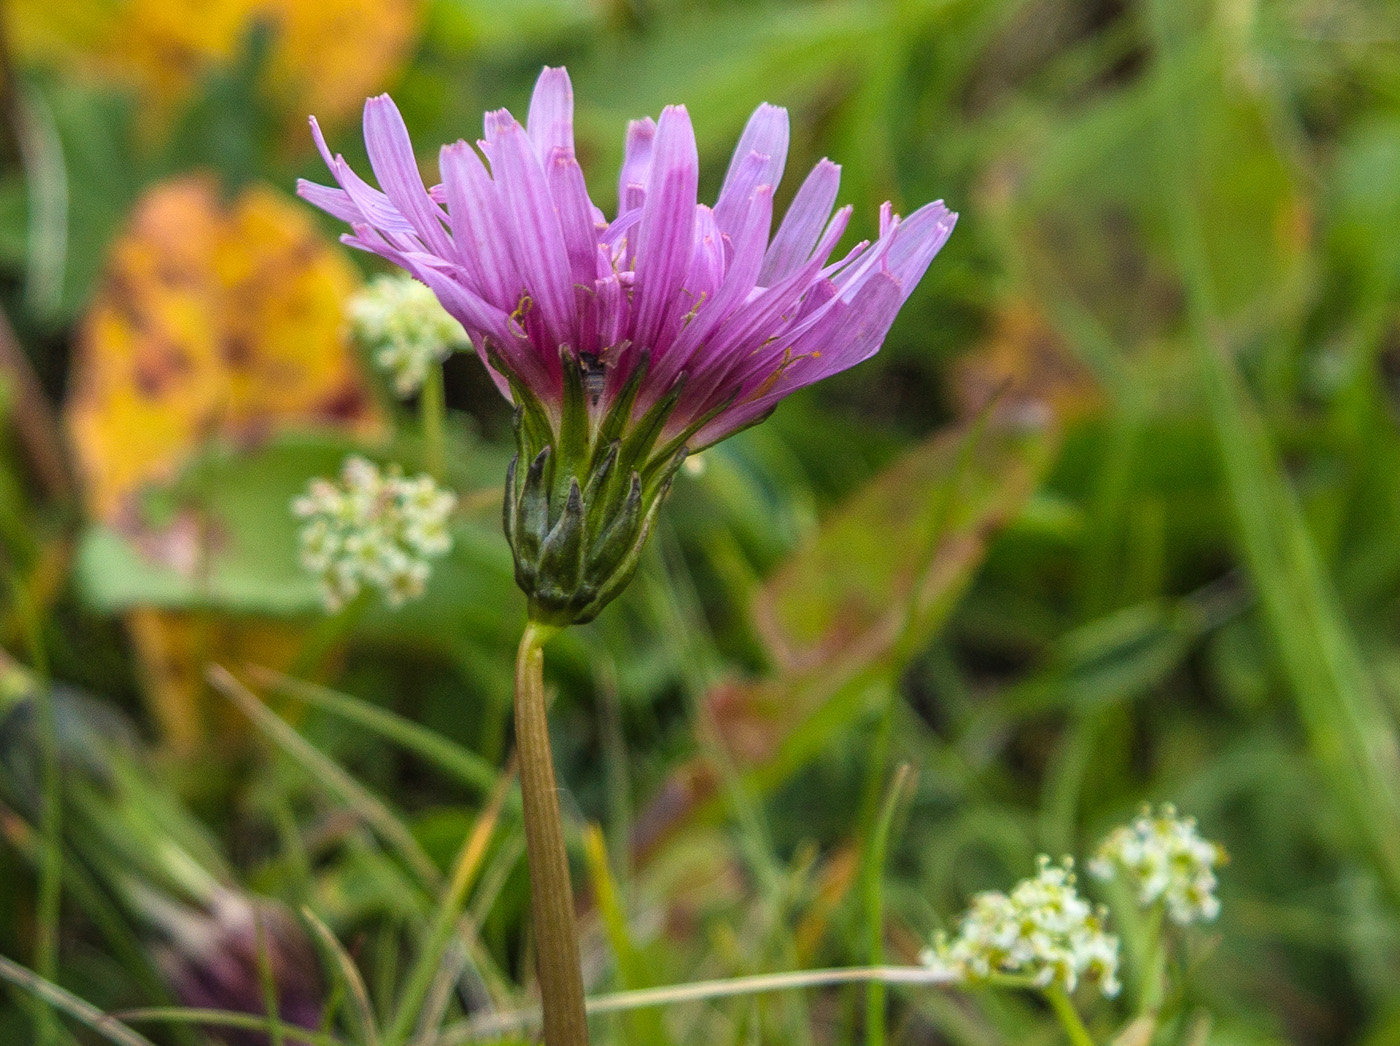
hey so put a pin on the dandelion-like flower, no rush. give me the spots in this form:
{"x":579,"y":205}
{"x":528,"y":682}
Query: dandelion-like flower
{"x":625,"y":343}
{"x":402,"y":323}
{"x":1165,"y":859}
{"x":373,"y":528}
{"x":1042,"y":930}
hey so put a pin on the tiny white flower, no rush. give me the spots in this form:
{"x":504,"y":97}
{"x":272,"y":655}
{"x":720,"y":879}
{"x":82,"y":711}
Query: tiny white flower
{"x":320,"y":546}
{"x":1042,"y":930}
{"x":1165,"y":859}
{"x":402,"y":323}
{"x":375,"y":529}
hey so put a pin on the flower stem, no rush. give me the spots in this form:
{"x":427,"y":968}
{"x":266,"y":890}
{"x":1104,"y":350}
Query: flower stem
{"x":873,"y":873}
{"x":432,"y":415}
{"x":1153,"y":987}
{"x":313,"y":660}
{"x":1070,"y":1021}
{"x":551,"y":895}
{"x":51,"y":813}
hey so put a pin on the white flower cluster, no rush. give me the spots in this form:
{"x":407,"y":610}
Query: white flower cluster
{"x":1165,"y":859}
{"x":401,"y":321}
{"x":1042,"y":930}
{"x":375,"y":529}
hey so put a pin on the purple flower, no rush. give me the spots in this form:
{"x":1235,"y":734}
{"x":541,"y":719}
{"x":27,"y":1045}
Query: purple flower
{"x":525,"y":261}
{"x":214,"y":960}
{"x":679,"y":322}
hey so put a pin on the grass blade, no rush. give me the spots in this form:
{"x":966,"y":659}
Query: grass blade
{"x":267,"y":981}
{"x":449,"y":910}
{"x":631,"y":965}
{"x":466,"y":766}
{"x":51,"y":812}
{"x":178,"y":1015}
{"x":106,"y":1025}
{"x":873,"y":874}
{"x":329,"y":773}
{"x":348,"y":974}
{"x":705,"y":991}
{"x":1352,"y":736}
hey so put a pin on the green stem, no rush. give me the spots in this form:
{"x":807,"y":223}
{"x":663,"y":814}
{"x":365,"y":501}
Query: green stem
{"x":51,"y":816}
{"x":873,"y":874}
{"x":495,"y":1024}
{"x":551,"y":894}
{"x":1154,"y":974}
{"x":432,"y":415}
{"x":1070,"y":1021}
{"x":327,"y":635}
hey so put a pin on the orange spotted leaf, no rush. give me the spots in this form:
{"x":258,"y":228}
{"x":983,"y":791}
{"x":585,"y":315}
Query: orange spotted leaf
{"x":214,"y":321}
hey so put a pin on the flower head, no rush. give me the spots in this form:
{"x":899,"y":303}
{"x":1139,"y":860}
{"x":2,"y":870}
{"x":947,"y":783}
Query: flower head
{"x":1042,"y":930}
{"x":373,"y":528}
{"x":401,"y":322}
{"x":625,"y":343}
{"x":1165,"y":859}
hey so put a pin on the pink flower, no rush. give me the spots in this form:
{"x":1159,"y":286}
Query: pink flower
{"x":698,"y":295}
{"x":625,"y":344}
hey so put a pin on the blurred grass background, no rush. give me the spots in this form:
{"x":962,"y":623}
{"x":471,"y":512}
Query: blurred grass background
{"x":1167,"y":567}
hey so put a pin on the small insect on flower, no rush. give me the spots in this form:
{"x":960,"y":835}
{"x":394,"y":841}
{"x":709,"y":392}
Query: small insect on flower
{"x":1164,"y":858}
{"x":401,"y":322}
{"x":1042,"y":930}
{"x":373,"y":529}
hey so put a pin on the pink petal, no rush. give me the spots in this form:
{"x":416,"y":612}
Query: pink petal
{"x":536,"y":240}
{"x":575,"y":210}
{"x":666,"y":236}
{"x":550,"y":122}
{"x":635,"y":175}
{"x":391,"y":156}
{"x":373,"y":204}
{"x":767,"y":135}
{"x":802,"y":225}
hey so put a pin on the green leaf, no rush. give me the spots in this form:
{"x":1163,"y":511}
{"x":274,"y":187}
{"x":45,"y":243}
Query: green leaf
{"x":222,"y":537}
{"x":869,"y":590}
{"x":898,"y":552}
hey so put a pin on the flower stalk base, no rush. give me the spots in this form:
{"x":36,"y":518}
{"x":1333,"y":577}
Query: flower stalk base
{"x":551,"y":894}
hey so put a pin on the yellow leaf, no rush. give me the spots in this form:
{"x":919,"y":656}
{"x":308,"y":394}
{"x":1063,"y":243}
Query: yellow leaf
{"x":327,"y":54}
{"x":212,"y":320}
{"x":173,"y":648}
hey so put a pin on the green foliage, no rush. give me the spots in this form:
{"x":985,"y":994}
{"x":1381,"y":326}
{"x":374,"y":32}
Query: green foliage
{"x":1165,"y":565}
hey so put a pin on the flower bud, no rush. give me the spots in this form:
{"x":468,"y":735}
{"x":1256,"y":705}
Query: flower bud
{"x":581,"y":497}
{"x":216,"y":960}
